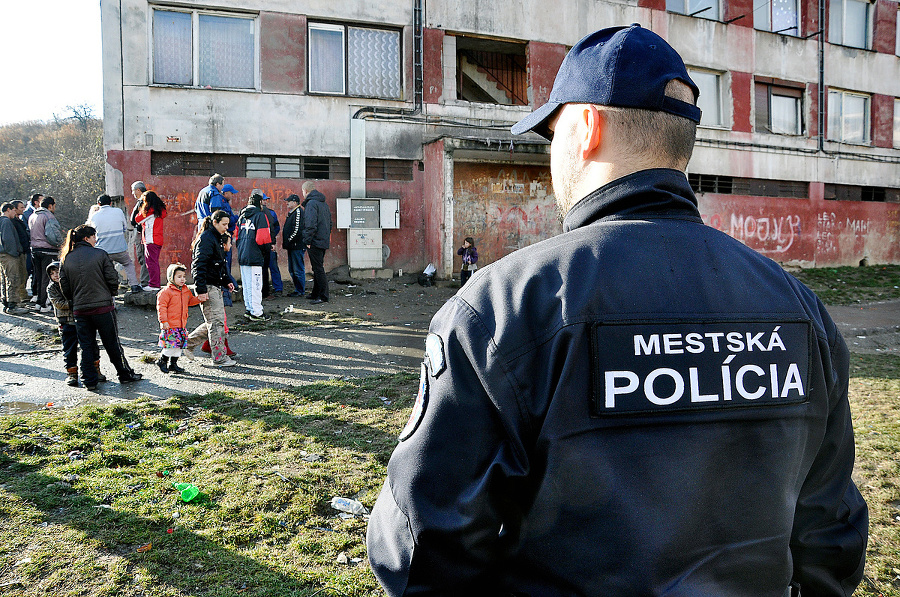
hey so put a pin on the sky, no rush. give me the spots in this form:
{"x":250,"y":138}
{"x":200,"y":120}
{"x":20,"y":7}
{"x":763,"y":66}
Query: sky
{"x":50,"y":58}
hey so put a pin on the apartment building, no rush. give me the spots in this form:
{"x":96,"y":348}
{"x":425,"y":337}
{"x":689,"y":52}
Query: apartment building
{"x":401,"y":112}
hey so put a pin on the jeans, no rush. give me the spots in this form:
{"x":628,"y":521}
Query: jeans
{"x":297,"y":269}
{"x":213,"y":326}
{"x":69,"y":335}
{"x":320,"y":280}
{"x":251,"y":282}
{"x":266,"y":252}
{"x":151,"y":257}
{"x":226,"y":294}
{"x":277,"y":284}
{"x":88,"y":326}
{"x":124,"y":259}
{"x":135,"y":242}
{"x":10,"y":279}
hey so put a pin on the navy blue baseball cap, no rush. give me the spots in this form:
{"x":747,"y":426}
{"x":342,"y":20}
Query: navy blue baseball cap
{"x":627,"y":67}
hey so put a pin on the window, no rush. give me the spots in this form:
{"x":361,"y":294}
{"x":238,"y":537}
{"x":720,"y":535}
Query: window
{"x":202,"y":49}
{"x":164,"y":163}
{"x":842,"y":192}
{"x":777,"y":16}
{"x":779,"y":109}
{"x":707,"y":9}
{"x":357,"y":61}
{"x":491,"y":71}
{"x":849,"y":23}
{"x":897,"y":123}
{"x":296,"y":167}
{"x":710,"y":101}
{"x":848,"y":117}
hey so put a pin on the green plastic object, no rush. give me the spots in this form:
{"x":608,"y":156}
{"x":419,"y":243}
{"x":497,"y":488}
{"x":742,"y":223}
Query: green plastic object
{"x":188,"y":491}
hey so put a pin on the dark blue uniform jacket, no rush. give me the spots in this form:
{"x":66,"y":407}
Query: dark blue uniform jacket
{"x":639,"y":406}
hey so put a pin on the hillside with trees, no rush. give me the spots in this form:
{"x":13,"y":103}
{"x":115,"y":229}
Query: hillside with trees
{"x":62,"y":158}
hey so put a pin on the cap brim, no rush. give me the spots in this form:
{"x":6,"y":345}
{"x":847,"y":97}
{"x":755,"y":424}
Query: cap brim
{"x":536,"y":121}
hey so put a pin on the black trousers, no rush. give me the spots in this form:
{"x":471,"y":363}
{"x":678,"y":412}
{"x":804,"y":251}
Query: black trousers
{"x":41,"y":260}
{"x":266,"y":253}
{"x":320,"y":280}
{"x":88,"y":326}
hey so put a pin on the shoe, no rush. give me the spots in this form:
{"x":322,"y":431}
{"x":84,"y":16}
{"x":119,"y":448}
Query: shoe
{"x":151,"y":289}
{"x":318,"y":301}
{"x":100,"y":377}
{"x":131,"y":379}
{"x":72,"y":377}
{"x":269,"y":298}
{"x":14,"y":310}
{"x":246,"y":315}
{"x":295,"y":293}
{"x":163,"y":364}
{"x":174,"y":368}
{"x":34,"y":299}
{"x":90,"y":387}
{"x":46,"y":309}
{"x":136,"y":289}
{"x":277,"y":294}
{"x":226,"y":362}
{"x":262,"y":317}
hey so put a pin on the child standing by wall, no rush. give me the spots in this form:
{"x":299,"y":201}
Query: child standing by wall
{"x":172,"y":304}
{"x":67,"y":332}
{"x":469,"y":259}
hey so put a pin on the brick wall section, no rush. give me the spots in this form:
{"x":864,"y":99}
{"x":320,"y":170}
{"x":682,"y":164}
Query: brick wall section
{"x":812,"y":115}
{"x":544,"y":61}
{"x":809,"y":17}
{"x":282,"y":53}
{"x":736,"y":8}
{"x":741,"y":93}
{"x":882,"y":120}
{"x":654,"y":4}
{"x":433,"y":50}
{"x":884,"y":38}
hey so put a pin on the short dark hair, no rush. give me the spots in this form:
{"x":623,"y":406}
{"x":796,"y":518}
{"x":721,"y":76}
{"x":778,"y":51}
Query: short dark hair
{"x":17,"y":202}
{"x":216,"y":179}
{"x":35,"y":197}
{"x":293,"y":197}
{"x":6,"y":207}
{"x":104,"y":199}
{"x":48,"y":201}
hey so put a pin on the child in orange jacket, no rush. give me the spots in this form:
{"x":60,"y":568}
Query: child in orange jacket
{"x":172,"y":304}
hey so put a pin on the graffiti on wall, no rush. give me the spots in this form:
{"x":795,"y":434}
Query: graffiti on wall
{"x":503,"y":208}
{"x":768,"y":234}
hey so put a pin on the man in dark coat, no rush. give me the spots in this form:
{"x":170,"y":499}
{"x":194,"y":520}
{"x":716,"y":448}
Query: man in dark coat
{"x":292,"y":242}
{"x":641,"y":405}
{"x":317,"y":238}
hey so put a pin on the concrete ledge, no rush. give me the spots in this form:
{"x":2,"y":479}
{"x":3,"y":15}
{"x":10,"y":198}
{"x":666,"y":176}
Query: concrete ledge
{"x":369,"y":274}
{"x":140,"y":299}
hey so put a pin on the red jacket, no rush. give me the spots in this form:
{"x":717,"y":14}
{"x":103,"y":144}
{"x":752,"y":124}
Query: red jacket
{"x":153,"y":227}
{"x":172,"y":305}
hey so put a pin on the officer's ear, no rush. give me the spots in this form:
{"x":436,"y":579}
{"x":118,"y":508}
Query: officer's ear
{"x":592,"y":126}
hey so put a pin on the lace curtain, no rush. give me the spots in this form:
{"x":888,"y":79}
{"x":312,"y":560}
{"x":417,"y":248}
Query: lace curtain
{"x":373,"y":62}
{"x":227,"y":52}
{"x":172,"y":64}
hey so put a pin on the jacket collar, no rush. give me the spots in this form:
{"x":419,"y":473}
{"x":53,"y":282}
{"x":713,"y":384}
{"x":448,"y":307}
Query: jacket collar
{"x":646,"y":193}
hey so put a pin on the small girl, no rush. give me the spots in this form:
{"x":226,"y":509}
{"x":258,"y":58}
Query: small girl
{"x":469,"y":259}
{"x":172,"y":304}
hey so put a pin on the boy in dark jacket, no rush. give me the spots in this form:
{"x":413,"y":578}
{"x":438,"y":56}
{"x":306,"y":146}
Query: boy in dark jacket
{"x":292,"y":241}
{"x":316,"y":237}
{"x":253,"y":236}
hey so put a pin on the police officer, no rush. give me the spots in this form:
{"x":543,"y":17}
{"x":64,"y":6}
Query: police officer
{"x":639,"y":406}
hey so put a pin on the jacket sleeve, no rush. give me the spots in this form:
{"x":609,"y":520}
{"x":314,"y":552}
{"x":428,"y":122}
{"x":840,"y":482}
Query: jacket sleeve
{"x":310,"y":223}
{"x":65,"y":284}
{"x":199,"y":266}
{"x":54,"y":291}
{"x":110,"y":275}
{"x":162,"y":306}
{"x":53,"y":232}
{"x":435,"y":529}
{"x":828,"y":541}
{"x":474,"y":255}
{"x":276,"y":227}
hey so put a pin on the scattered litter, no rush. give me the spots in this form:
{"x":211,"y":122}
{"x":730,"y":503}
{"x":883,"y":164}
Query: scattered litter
{"x":285,"y":479}
{"x":161,"y":474}
{"x":170,"y":531}
{"x":144,"y":548}
{"x":75,"y":455}
{"x":176,"y":514}
{"x":312,"y":458}
{"x":343,"y":558}
{"x":348,"y":505}
{"x":44,"y":525}
{"x":188,"y":491}
{"x":356,"y":560}
{"x":22,"y":562}
{"x":49,"y":405}
{"x":133,"y":426}
{"x":104,"y":507}
{"x":72,"y":478}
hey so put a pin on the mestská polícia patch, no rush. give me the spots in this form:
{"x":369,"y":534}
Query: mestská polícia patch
{"x":418,"y":411}
{"x":665,"y":367}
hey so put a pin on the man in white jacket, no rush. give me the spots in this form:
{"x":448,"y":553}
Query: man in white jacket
{"x":111,"y":226}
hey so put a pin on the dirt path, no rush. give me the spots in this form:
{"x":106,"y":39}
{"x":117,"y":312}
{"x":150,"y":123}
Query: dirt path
{"x":368,"y":328}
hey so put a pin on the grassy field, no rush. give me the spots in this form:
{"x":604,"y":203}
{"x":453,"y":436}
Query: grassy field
{"x":851,"y":285}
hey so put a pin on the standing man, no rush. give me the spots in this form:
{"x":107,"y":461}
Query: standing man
{"x":229,"y":192}
{"x":46,"y":239}
{"x":111,"y":226}
{"x":639,"y":406}
{"x":33,"y":203}
{"x":316,"y":237}
{"x":292,"y":242}
{"x":210,"y":199}
{"x":25,"y":239}
{"x":11,"y":271}
{"x":274,"y":272}
{"x":138,"y":188}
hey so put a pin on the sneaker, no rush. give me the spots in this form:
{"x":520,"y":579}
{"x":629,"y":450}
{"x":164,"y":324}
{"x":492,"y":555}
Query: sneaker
{"x":34,"y":299}
{"x":136,"y":289}
{"x":295,"y":293}
{"x":14,"y":310}
{"x":151,"y":289}
{"x":226,"y":362}
{"x":262,"y":317}
{"x":46,"y":309}
{"x":277,"y":294}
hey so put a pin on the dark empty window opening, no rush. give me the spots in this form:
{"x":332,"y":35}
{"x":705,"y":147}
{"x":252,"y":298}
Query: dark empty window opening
{"x":710,"y":183}
{"x":846,"y":192}
{"x":491,"y":71}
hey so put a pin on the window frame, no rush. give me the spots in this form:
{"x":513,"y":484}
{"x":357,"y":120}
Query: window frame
{"x":867,"y":117}
{"x":768,"y":5}
{"x":870,"y":14}
{"x":896,"y":122}
{"x":717,"y":4}
{"x":195,"y":46}
{"x":719,"y":93}
{"x":780,"y":89}
{"x":345,"y":41}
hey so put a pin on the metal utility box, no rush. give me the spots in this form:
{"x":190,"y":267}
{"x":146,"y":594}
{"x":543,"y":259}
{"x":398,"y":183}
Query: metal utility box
{"x":364,"y":219}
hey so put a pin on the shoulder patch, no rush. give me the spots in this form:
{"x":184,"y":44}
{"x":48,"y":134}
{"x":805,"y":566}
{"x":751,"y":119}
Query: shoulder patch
{"x":434,"y":354}
{"x":418,"y":411}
